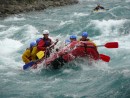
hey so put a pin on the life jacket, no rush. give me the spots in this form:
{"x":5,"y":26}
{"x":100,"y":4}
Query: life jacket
{"x":47,"y":42}
{"x":82,"y":49}
{"x":26,"y":57}
{"x":33,"y":53}
{"x":43,"y":43}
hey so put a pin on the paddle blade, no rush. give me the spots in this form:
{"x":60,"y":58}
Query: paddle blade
{"x":111,"y":45}
{"x":26,"y":66}
{"x":104,"y":57}
{"x":40,"y":54}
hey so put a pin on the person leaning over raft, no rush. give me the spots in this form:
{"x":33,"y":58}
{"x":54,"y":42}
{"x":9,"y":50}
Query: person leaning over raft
{"x":26,"y":57}
{"x":44,"y":43}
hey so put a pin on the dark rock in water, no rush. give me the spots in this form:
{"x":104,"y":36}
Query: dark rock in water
{"x":16,"y":6}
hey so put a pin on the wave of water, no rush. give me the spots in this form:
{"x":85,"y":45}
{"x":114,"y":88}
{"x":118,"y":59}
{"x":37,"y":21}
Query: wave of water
{"x":77,"y":79}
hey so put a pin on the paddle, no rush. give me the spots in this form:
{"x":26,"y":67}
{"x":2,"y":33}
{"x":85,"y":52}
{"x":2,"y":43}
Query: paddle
{"x":30,"y":64}
{"x":40,"y":55}
{"x":104,"y":57}
{"x":107,"y":45}
{"x":110,"y":45}
{"x":26,"y":66}
{"x":53,"y":44}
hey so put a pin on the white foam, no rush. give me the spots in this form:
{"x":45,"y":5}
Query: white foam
{"x":101,"y":65}
{"x":14,"y":19}
{"x":2,"y":26}
{"x":9,"y":32}
{"x":127,"y":0}
{"x":126,"y":72}
{"x":10,"y":74}
{"x":109,"y":27}
{"x":67,"y":71}
{"x":124,"y":42}
{"x":8,"y":46}
{"x":80,"y":14}
{"x":31,"y":31}
{"x":66,"y":22}
{"x":2,"y":67}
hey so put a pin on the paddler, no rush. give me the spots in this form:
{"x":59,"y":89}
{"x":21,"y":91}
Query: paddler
{"x":84,"y":37}
{"x":44,"y":43}
{"x":73,"y":38}
{"x":98,"y":7}
{"x":26,"y":57}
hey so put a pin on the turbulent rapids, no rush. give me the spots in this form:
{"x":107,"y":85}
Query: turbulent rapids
{"x":109,"y":75}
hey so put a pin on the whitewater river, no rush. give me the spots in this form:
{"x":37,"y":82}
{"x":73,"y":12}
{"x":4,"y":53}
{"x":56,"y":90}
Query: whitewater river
{"x":78,"y":79}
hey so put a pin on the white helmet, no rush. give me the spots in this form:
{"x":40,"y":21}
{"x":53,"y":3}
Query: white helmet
{"x":45,"y":32}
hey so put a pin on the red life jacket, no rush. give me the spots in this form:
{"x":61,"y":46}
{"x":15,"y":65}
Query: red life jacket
{"x":43,"y":43}
{"x":84,"y":49}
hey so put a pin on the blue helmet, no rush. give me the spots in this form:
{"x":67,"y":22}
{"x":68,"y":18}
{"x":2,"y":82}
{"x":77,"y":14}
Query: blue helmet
{"x":37,"y":40}
{"x":85,"y":34}
{"x":73,"y":37}
{"x":32,"y":44}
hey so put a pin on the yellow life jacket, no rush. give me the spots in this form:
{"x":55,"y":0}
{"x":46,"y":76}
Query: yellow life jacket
{"x":26,"y":57}
{"x":34,"y":52}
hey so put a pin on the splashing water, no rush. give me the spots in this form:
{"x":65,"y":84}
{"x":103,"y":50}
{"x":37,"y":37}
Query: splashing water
{"x":77,"y":79}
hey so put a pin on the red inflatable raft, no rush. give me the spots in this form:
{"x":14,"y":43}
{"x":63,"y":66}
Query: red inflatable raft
{"x":72,"y":51}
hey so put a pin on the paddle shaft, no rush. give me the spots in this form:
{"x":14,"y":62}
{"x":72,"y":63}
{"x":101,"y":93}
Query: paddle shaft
{"x":100,"y":45}
{"x":54,"y":44}
{"x":47,"y":49}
